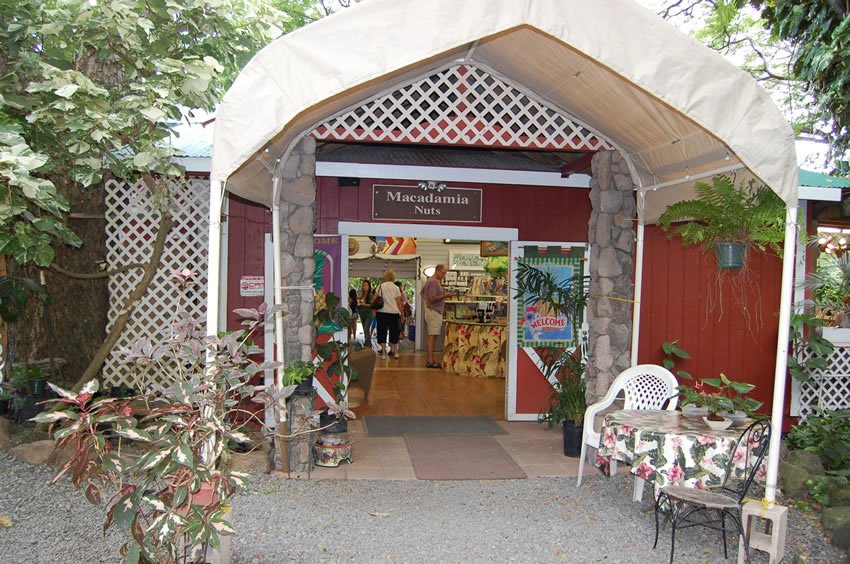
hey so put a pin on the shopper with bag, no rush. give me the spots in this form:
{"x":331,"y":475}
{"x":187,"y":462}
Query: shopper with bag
{"x":388,"y":307}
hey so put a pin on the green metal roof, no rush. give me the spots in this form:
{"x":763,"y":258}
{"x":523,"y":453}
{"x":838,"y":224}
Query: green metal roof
{"x":809,"y":178}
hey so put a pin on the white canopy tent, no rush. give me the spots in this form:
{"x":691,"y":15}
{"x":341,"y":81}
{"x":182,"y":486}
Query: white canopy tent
{"x":676,"y":111}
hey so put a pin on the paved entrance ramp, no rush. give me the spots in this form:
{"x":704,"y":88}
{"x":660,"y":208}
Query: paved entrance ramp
{"x":397,"y":426}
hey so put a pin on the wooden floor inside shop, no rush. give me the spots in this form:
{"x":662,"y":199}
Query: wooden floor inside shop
{"x":405,"y":386}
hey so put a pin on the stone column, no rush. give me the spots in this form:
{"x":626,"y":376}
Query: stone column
{"x":297,"y":223}
{"x":611,"y":236}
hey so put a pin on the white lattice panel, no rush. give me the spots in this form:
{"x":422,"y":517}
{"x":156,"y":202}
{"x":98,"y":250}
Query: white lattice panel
{"x":828,"y":388}
{"x":461,"y":105}
{"x":131,"y":224}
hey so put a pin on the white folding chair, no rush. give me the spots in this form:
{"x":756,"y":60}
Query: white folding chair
{"x":645,"y":386}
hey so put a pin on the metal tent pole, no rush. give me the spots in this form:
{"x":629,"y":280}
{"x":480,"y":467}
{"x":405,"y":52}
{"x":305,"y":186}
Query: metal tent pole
{"x":214,"y":257}
{"x":781,"y":352}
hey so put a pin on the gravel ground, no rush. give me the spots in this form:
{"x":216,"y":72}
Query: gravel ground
{"x":278,"y":520}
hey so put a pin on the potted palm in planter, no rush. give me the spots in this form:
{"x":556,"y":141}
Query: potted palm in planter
{"x":569,"y":299}
{"x":727,"y":219}
{"x":568,"y":403}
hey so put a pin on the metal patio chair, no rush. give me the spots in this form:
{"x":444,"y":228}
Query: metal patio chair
{"x":689,"y":507}
{"x":645,"y":386}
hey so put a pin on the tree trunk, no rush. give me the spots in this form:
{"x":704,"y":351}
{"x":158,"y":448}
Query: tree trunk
{"x":78,"y":308}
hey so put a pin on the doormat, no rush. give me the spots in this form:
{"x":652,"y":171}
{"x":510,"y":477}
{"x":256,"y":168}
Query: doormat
{"x":460,"y":457}
{"x":396,"y":426}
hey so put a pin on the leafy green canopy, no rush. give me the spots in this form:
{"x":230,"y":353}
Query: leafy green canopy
{"x":820,"y":33}
{"x":89,"y":85}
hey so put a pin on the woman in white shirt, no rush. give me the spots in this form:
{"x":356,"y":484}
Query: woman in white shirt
{"x":388,"y":317}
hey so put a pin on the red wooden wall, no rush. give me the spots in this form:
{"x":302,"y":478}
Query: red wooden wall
{"x":684,"y":299}
{"x":247,"y":224}
{"x":540,"y":213}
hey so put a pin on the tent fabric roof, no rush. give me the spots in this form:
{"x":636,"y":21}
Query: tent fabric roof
{"x":672,"y":106}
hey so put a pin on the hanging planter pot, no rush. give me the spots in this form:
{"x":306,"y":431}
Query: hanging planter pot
{"x":730,"y":256}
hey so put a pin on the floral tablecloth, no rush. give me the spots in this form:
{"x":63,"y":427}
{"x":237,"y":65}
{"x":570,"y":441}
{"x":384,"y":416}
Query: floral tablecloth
{"x":664,"y":447}
{"x":475,"y":349}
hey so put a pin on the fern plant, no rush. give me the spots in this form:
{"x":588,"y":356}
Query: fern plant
{"x":725,"y":213}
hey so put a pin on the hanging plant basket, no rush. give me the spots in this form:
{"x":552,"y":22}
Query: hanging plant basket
{"x":730,"y":256}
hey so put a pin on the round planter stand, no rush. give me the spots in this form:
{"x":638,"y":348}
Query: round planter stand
{"x":331,"y":449}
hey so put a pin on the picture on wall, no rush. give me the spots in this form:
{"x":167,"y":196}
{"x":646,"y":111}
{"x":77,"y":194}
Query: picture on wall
{"x":494,"y":248}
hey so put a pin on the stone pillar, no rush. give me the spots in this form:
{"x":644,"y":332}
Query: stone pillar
{"x":300,"y":446}
{"x":297,"y":223}
{"x":611,"y":236}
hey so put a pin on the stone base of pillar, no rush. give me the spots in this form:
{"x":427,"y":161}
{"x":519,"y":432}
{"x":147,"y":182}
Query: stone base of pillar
{"x":298,"y":412}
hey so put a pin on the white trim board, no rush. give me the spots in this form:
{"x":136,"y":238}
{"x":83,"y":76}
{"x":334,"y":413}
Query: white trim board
{"x":450,"y":174}
{"x":368,"y":229}
{"x":820,"y":193}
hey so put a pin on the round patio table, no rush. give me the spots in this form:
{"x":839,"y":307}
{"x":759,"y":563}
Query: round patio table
{"x":664,"y":447}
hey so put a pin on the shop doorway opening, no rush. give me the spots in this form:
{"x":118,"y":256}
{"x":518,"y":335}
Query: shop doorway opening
{"x":471,"y":379}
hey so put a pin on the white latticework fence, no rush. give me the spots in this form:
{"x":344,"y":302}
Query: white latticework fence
{"x":461,"y":105}
{"x":131,"y":224}
{"x":829,"y":388}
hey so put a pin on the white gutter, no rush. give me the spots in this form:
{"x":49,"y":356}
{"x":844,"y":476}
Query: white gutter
{"x":820,"y":193}
{"x":451,"y":174}
{"x":781,"y":353}
{"x":214,"y":258}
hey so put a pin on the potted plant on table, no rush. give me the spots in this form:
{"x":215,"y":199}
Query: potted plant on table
{"x":719,"y":409}
{"x":727,"y":219}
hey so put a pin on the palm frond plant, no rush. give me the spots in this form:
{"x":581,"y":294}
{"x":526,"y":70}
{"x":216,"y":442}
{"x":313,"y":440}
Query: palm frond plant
{"x":561,"y":297}
{"x":747,"y":214}
{"x":569,"y":297}
{"x":568,"y":403}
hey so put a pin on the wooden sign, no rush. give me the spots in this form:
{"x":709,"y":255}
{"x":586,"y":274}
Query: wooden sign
{"x":412,"y":203}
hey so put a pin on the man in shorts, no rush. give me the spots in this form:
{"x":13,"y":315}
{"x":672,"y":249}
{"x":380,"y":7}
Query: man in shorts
{"x":434,"y":297}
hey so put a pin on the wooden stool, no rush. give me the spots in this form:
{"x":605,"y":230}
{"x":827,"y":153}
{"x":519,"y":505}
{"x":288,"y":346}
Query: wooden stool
{"x":774,"y":542}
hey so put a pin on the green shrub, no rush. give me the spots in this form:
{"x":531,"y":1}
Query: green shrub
{"x":827,"y":433}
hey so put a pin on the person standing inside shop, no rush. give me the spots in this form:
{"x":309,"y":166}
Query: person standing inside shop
{"x":406,"y":310}
{"x":364,"y":311}
{"x":389,"y":315}
{"x":352,"y":307}
{"x":434,"y":298}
